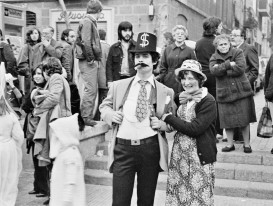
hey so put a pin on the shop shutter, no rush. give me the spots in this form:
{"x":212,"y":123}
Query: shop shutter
{"x":61,"y":26}
{"x":30,"y":18}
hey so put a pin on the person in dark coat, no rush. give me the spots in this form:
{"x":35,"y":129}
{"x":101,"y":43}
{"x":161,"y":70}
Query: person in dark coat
{"x":120,"y":63}
{"x":26,"y":60}
{"x":233,"y":91}
{"x":204,"y":50}
{"x":173,"y":57}
{"x":238,"y":37}
{"x":268,"y":85}
{"x":7,"y":56}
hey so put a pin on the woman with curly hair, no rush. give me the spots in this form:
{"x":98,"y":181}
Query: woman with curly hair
{"x":40,"y":186}
{"x":51,"y":103}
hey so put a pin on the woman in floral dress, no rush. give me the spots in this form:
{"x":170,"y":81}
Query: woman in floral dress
{"x":191,"y":171}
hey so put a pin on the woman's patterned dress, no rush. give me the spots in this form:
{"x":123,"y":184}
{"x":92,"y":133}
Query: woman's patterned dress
{"x":189,"y":183}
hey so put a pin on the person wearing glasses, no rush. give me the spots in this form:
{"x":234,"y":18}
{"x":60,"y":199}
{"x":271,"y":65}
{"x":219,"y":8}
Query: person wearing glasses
{"x":238,"y":37}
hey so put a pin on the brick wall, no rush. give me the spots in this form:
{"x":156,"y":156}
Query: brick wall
{"x":168,"y":13}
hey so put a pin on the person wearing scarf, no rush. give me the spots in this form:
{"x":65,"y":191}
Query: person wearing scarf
{"x":194,"y":148}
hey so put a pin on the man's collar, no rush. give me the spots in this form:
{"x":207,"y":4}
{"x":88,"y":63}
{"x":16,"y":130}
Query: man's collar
{"x":175,"y":46}
{"x":239,"y":45}
{"x":90,"y":16}
{"x":150,"y":80}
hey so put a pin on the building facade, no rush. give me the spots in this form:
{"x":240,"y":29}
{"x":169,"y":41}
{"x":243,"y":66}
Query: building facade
{"x":158,"y":16}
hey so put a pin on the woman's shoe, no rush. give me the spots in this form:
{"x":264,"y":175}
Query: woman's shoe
{"x":247,"y":149}
{"x":41,"y":195}
{"x":46,"y":202}
{"x":34,"y":192}
{"x":228,"y":149}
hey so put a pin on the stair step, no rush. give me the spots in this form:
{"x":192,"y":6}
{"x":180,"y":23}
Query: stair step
{"x":254,"y":158}
{"x":234,"y":188}
{"x":238,"y":157}
{"x":99,"y":191}
{"x":255,"y":173}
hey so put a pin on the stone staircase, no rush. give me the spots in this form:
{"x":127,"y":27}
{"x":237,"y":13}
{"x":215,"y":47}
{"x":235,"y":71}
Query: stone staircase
{"x":237,"y":174}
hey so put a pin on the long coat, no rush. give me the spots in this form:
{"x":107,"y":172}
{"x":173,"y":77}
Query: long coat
{"x":231,"y":81}
{"x":204,"y":50}
{"x":172,"y":58}
{"x":268,"y":80}
{"x":113,"y":102}
{"x":67,"y":59}
{"x":59,"y":93}
{"x":252,"y":62}
{"x":41,"y":53}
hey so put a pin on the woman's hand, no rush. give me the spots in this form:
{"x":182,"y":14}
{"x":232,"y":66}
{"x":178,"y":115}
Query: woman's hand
{"x":232,"y":64}
{"x":165,"y":115}
{"x":155,"y":123}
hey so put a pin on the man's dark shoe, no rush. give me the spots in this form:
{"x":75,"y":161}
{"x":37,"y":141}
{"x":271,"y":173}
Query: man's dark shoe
{"x":46,"y":202}
{"x":272,"y":151}
{"x":89,"y":122}
{"x":228,"y":149}
{"x":41,"y":195}
{"x":247,"y":149}
{"x":34,"y":192}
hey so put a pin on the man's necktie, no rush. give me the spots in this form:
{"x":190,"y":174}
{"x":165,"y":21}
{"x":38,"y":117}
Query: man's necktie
{"x":142,"y":102}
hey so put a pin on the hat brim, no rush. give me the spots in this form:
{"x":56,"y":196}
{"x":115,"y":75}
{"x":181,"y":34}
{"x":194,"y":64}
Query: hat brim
{"x":192,"y":70}
{"x":141,"y":51}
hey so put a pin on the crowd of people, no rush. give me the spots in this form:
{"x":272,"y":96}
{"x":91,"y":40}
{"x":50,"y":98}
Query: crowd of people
{"x":198,"y":89}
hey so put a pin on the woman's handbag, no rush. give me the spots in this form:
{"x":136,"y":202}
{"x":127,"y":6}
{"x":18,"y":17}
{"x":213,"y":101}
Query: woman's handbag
{"x":265,"y":129}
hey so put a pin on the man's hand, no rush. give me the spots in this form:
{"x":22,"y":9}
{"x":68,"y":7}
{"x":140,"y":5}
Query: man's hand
{"x":117,"y":117}
{"x":45,"y":42}
{"x":10,"y":82}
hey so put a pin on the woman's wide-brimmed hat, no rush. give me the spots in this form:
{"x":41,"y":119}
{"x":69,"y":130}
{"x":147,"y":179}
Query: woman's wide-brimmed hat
{"x":146,"y":42}
{"x":191,"y":65}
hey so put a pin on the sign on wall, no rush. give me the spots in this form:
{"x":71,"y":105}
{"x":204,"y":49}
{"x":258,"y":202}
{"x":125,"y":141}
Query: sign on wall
{"x":106,"y":21}
{"x":14,"y":13}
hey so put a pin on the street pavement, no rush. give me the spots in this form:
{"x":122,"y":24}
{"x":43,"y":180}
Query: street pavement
{"x":98,"y":195}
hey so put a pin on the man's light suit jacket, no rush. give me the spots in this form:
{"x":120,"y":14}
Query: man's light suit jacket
{"x":113,"y":102}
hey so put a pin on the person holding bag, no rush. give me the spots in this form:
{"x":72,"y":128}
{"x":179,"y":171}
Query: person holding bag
{"x":268,"y":86}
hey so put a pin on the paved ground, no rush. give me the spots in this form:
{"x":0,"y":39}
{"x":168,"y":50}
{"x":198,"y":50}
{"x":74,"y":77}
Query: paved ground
{"x":101,"y":195}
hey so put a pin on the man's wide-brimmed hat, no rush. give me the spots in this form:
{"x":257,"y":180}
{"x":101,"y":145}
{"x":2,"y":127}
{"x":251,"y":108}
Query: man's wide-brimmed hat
{"x":191,"y":65}
{"x":146,"y":42}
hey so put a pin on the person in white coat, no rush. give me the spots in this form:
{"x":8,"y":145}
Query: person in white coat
{"x":67,"y":178}
{"x":11,"y":140}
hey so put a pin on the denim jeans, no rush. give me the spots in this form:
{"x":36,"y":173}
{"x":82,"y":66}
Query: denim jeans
{"x":142,"y":160}
{"x":89,"y":74}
